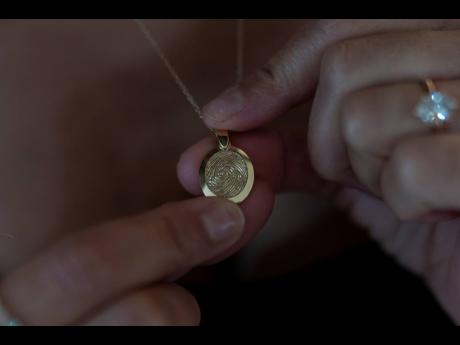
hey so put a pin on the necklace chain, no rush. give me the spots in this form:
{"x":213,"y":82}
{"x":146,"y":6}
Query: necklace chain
{"x":239,"y":50}
{"x":156,"y":47}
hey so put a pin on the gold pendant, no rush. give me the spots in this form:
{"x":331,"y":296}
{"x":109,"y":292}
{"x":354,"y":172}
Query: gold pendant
{"x":227,"y":171}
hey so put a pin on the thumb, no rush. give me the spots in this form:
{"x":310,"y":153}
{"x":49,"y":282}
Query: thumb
{"x":290,"y":77}
{"x":268,"y":92}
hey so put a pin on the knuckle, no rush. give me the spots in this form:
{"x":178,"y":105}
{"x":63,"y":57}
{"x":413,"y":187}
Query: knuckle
{"x":273,"y":79}
{"x":184,"y":237}
{"x":82,"y":266}
{"x":336,"y":62}
{"x":282,"y":73}
{"x":353,"y":122}
{"x":176,"y":239}
{"x":266,"y":74}
{"x":403,"y":177}
{"x":408,"y":164}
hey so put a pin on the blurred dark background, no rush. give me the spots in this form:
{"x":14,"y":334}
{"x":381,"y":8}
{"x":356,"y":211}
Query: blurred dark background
{"x":361,"y":285}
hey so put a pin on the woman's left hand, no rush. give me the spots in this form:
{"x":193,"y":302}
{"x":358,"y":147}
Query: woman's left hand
{"x":401,"y":180}
{"x":364,"y":133}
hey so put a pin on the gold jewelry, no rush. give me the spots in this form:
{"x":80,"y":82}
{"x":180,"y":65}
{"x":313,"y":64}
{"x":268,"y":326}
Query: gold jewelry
{"x":227,"y":171}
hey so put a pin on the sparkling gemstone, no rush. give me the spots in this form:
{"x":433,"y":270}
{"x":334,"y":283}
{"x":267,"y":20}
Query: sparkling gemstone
{"x":435,"y":107}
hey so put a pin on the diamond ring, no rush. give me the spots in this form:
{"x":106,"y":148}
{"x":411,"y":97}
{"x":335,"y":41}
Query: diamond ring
{"x":435,"y":108}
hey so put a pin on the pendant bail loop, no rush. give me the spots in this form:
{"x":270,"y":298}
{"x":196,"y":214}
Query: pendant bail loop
{"x":222,"y":139}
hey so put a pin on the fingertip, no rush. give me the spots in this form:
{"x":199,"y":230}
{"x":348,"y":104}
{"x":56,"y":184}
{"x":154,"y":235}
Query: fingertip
{"x":257,"y":208}
{"x":186,"y":175}
{"x":251,"y":104}
{"x":189,"y":164}
{"x":220,"y":111}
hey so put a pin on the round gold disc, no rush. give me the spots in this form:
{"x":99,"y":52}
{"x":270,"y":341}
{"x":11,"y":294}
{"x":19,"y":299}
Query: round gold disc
{"x":227,"y":174}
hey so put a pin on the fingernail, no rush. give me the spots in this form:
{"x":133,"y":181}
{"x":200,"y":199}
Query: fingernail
{"x":225,"y":105}
{"x":224,"y":222}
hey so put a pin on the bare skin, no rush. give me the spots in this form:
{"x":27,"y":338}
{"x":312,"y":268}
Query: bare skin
{"x":92,"y":124}
{"x":365,"y":147}
{"x":92,"y":129}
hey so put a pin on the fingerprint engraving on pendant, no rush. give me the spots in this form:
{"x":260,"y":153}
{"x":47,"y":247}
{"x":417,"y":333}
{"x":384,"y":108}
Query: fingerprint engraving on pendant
{"x":226,"y":173}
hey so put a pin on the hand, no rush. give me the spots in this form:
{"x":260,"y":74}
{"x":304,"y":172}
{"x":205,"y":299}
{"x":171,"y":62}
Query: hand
{"x":365,"y":78}
{"x":62,"y":172}
{"x":120,"y":273}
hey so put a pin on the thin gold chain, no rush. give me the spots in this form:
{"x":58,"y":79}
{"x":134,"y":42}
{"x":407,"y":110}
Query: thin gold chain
{"x":156,"y":47}
{"x":239,"y":50}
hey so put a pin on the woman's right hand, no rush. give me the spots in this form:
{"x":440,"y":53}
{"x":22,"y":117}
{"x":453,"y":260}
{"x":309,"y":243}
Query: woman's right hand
{"x":121,"y":272}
